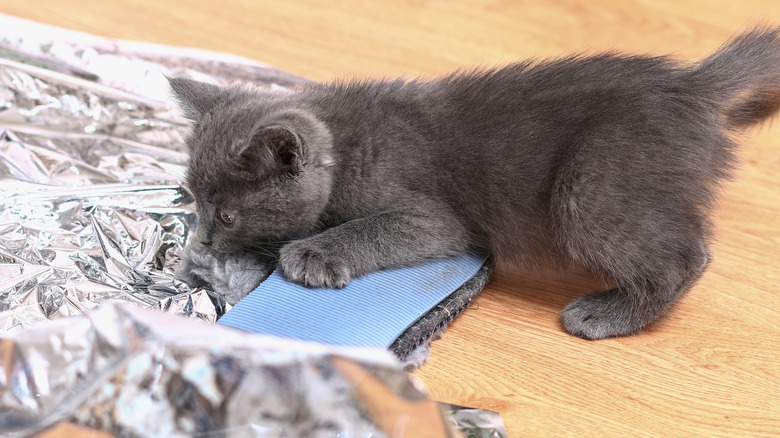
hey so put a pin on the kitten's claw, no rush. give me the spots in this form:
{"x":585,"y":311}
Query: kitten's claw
{"x":305,"y":262}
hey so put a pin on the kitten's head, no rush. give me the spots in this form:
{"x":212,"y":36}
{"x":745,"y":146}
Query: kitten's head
{"x":260,"y":164}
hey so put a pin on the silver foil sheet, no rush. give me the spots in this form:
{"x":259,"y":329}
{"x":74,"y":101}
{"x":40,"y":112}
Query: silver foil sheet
{"x":139,"y":373}
{"x":91,"y":163}
{"x":93,"y":219}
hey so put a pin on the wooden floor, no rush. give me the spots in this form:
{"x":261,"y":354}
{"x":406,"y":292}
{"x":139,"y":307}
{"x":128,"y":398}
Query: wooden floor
{"x":712,"y":368}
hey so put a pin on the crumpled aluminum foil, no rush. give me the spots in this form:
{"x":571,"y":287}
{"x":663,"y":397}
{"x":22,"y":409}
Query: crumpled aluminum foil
{"x":90,"y":211}
{"x":138,"y":373}
{"x":91,"y":203}
{"x":93,"y":216}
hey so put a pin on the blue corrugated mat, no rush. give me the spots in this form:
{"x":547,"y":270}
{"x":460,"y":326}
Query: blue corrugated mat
{"x":372,"y":310}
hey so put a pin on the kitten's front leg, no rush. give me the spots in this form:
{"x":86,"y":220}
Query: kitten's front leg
{"x":337,"y":255}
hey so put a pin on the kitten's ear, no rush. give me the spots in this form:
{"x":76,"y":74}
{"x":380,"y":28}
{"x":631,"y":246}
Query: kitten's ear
{"x":273,"y":148}
{"x":195,"y":98}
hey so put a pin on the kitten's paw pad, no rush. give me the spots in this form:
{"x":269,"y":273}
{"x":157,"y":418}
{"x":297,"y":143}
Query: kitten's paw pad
{"x":303,"y":262}
{"x":599,"y":316}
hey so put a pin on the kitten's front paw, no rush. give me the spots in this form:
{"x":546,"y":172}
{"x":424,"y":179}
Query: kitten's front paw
{"x":305,"y":262}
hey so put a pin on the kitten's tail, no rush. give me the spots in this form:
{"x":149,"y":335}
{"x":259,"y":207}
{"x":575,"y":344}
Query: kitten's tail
{"x":743,"y":77}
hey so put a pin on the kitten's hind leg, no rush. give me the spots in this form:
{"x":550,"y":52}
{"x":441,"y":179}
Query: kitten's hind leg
{"x":638,"y":229}
{"x":627,"y":309}
{"x":653,"y":258}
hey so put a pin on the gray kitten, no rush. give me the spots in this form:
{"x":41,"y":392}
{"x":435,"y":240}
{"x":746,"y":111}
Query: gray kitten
{"x":612,"y":162}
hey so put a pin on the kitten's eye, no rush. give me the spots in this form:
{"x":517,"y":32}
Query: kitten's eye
{"x":227,"y":217}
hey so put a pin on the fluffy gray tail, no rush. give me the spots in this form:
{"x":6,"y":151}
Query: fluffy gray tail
{"x":743,"y":77}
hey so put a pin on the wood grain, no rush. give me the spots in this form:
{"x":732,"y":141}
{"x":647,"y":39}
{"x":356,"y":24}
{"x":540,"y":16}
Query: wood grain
{"x":712,"y":368}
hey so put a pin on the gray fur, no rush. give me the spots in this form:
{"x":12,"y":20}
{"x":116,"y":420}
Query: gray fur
{"x":611,"y":161}
{"x":420,"y":355}
{"x":232,"y":275}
